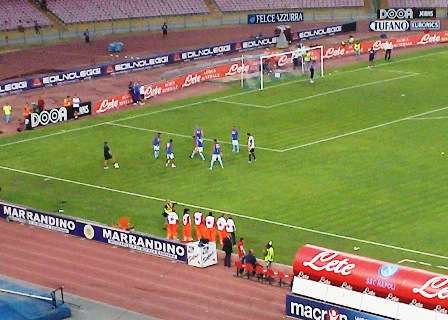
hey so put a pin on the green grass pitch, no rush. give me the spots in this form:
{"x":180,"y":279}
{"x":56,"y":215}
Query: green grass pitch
{"x":354,"y":160}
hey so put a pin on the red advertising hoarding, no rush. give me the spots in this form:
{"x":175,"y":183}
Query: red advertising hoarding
{"x":384,"y":279}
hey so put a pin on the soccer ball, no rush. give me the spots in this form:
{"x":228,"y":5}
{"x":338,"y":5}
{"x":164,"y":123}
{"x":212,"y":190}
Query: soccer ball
{"x":116,"y":166}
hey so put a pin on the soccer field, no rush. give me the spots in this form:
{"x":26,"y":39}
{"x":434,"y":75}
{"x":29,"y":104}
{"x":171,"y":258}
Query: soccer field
{"x":353,"y":160}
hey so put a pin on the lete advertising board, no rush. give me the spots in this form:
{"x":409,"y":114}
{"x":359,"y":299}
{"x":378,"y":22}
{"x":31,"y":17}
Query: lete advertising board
{"x":278,"y":17}
{"x":383,"y":278}
{"x":56,"y":115}
{"x":95,"y":232}
{"x":112,"y":104}
{"x":309,"y":309}
{"x":326,"y":31}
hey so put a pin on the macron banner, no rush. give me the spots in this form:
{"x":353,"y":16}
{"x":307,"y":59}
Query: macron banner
{"x":93,"y":231}
{"x":309,"y":309}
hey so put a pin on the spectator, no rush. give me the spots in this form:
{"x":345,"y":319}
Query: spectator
{"x":41,"y":104}
{"x":240,"y":249}
{"x":67,"y":102}
{"x":269,"y":254}
{"x":230,"y":228}
{"x":228,"y":249}
{"x":36,"y":27}
{"x":164,"y":30}
{"x":86,"y":35}
{"x":249,"y":258}
{"x":7,"y":110}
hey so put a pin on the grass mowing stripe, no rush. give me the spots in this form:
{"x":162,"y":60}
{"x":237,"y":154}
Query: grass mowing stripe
{"x":183,"y":135}
{"x":421,"y":56}
{"x":281,"y":224}
{"x":362,"y":130}
{"x":325,"y":93}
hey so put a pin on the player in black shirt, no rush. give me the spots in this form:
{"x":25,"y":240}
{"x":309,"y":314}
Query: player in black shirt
{"x":312,"y":66}
{"x":108,"y":156}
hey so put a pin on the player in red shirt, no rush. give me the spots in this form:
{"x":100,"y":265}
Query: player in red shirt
{"x":240,"y":248}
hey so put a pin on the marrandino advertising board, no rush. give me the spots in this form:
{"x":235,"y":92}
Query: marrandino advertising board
{"x":93,"y":231}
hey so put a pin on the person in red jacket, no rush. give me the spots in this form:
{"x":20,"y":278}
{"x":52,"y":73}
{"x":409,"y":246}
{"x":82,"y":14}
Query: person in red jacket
{"x":240,"y":249}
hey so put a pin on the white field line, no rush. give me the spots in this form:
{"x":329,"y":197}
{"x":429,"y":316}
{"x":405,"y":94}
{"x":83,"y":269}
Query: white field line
{"x":361,"y":130}
{"x":421,"y":263}
{"x":242,"y":104}
{"x":430,"y":118}
{"x":183,"y":135}
{"x":325,"y":93}
{"x":271,"y":222}
{"x":208,"y":101}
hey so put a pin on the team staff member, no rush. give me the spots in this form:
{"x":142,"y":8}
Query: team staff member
{"x":7,"y":110}
{"x":67,"y":102}
{"x":228,"y":249}
{"x":312,"y":65}
{"x":240,"y":249}
{"x":269,"y":254}
{"x":186,"y":222}
{"x":251,"y":147}
{"x":221,"y":226}
{"x":173,"y":223}
{"x":230,"y":228}
{"x":211,"y":228}
{"x":169,"y":206}
{"x":108,"y":156}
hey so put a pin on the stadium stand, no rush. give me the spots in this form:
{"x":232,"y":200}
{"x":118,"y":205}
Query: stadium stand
{"x":418,"y":3}
{"x":74,"y":11}
{"x":248,"y":5}
{"x":20,"y":13}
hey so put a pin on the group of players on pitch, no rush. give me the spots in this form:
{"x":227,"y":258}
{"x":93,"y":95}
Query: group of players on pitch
{"x":198,"y":139}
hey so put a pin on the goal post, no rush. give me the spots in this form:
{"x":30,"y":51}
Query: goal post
{"x":282,"y":66}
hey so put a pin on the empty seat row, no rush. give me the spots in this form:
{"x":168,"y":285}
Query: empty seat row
{"x":250,"y":5}
{"x":20,"y":13}
{"x":418,"y":3}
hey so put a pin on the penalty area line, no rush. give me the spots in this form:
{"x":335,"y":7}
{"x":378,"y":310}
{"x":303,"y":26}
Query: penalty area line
{"x":271,"y":222}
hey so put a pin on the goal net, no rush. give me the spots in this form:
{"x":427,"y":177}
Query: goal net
{"x":270,"y":67}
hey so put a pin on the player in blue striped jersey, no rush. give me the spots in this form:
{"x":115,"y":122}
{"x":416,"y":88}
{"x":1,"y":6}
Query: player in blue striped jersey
{"x":234,"y":139}
{"x":198,"y":133}
{"x":198,"y":148}
{"x":156,"y":145}
{"x":216,"y":154}
{"x":170,"y":154}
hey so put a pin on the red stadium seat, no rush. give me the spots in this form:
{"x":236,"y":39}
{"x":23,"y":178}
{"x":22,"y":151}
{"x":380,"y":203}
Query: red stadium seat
{"x":239,"y":267}
{"x":259,"y":272}
{"x":249,"y":270}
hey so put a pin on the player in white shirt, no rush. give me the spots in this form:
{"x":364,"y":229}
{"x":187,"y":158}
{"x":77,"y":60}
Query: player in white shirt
{"x":198,"y":223}
{"x":221,"y":226}
{"x":251,"y":147}
{"x":231,"y":228}
{"x":211,"y":228}
{"x":173,"y":220}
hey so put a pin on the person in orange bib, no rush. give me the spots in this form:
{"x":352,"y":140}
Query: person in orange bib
{"x":197,"y":224}
{"x":173,"y":221}
{"x":221,"y":226}
{"x":186,"y":223}
{"x":211,"y":228}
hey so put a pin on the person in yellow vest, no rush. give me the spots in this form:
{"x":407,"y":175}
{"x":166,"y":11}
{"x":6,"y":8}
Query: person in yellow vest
{"x":306,"y":60}
{"x":7,"y":110}
{"x":357,"y":48}
{"x":269,"y":254}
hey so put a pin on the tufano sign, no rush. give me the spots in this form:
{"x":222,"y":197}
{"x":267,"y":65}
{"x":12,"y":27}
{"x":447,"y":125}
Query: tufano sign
{"x":383,"y":278}
{"x":279,"y":17}
{"x":389,"y":25}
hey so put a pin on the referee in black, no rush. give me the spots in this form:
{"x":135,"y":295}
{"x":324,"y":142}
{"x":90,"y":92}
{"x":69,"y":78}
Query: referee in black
{"x":312,"y":66}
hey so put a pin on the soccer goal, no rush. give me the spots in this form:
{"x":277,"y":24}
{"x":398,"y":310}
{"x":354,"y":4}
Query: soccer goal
{"x":271,"y":67}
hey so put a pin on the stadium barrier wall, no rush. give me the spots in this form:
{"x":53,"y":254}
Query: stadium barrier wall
{"x":94,"y":231}
{"x":132,"y":65}
{"x":115,"y":103}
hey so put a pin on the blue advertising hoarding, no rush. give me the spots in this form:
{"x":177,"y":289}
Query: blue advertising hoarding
{"x":94,"y":231}
{"x":299,"y":307}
